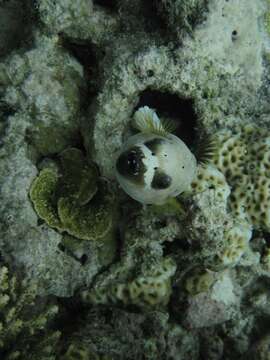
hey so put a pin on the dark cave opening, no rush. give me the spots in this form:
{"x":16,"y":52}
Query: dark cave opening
{"x":5,"y":112}
{"x":108,"y":4}
{"x":154,"y":22}
{"x":86,"y":54}
{"x":82,"y":51}
{"x":180,"y":110}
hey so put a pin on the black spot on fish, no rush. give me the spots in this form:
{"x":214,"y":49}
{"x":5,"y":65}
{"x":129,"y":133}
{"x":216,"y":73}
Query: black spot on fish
{"x":130,"y":165}
{"x":154,"y":144}
{"x":161,"y":181}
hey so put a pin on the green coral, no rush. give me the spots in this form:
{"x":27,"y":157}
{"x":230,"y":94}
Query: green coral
{"x":76,"y":219}
{"x":24,"y":322}
{"x":42,"y":193}
{"x":79,"y":178}
{"x":69,"y":199}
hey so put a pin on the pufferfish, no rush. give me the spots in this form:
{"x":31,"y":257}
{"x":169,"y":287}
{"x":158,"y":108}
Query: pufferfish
{"x":154,"y":165}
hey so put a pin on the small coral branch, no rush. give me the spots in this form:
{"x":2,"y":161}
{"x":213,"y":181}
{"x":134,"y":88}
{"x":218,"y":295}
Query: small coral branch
{"x":25,"y":321}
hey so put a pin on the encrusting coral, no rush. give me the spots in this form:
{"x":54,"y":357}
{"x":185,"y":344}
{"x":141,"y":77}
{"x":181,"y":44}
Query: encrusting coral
{"x":240,"y":174}
{"x":69,"y":198}
{"x":243,"y":156}
{"x":25,"y":321}
{"x":151,"y":289}
{"x":199,"y":282}
{"x":236,"y":243}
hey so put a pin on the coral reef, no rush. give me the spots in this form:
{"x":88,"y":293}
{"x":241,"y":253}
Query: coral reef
{"x":143,"y":276}
{"x":260,"y":350}
{"x":236,"y":244}
{"x":243,"y":157}
{"x":215,"y":302}
{"x":83,"y":20}
{"x":185,"y":280}
{"x":114,"y":333}
{"x":197,"y":70}
{"x":151,"y":289}
{"x":25,"y":321}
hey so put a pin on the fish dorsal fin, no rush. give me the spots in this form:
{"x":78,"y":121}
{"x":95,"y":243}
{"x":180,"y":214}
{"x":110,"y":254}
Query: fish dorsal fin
{"x":147,"y":121}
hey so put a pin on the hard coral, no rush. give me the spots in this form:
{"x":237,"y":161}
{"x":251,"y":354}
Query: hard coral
{"x":24,"y":330}
{"x":208,"y":177}
{"x":240,"y":173}
{"x":151,"y":289}
{"x":237,"y":243}
{"x":243,"y":156}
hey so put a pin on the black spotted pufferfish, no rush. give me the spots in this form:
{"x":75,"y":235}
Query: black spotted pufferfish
{"x":154,"y":165}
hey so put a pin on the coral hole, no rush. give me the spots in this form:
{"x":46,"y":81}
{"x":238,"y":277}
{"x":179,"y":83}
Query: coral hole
{"x":88,"y":56}
{"x":170,"y":106}
{"x":108,"y":4}
{"x":83,"y":51}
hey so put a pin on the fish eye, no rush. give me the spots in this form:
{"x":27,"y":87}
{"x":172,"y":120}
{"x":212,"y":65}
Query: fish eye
{"x":132,"y":162}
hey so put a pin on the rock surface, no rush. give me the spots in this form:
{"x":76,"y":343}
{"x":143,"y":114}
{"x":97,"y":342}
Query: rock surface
{"x":189,"y":279}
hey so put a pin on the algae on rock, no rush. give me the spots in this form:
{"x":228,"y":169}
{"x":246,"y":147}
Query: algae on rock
{"x":110,"y":333}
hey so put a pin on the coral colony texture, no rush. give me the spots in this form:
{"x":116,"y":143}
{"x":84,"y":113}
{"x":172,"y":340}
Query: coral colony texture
{"x":86,"y":272}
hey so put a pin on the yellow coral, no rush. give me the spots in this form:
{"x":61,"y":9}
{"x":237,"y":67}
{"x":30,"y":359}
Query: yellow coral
{"x":199,"y":282}
{"x":239,"y":172}
{"x":244,"y":159}
{"x":147,"y":290}
{"x":208,"y":177}
{"x":237,"y":242}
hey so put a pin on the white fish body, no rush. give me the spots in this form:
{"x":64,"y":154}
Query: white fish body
{"x":154,"y":165}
